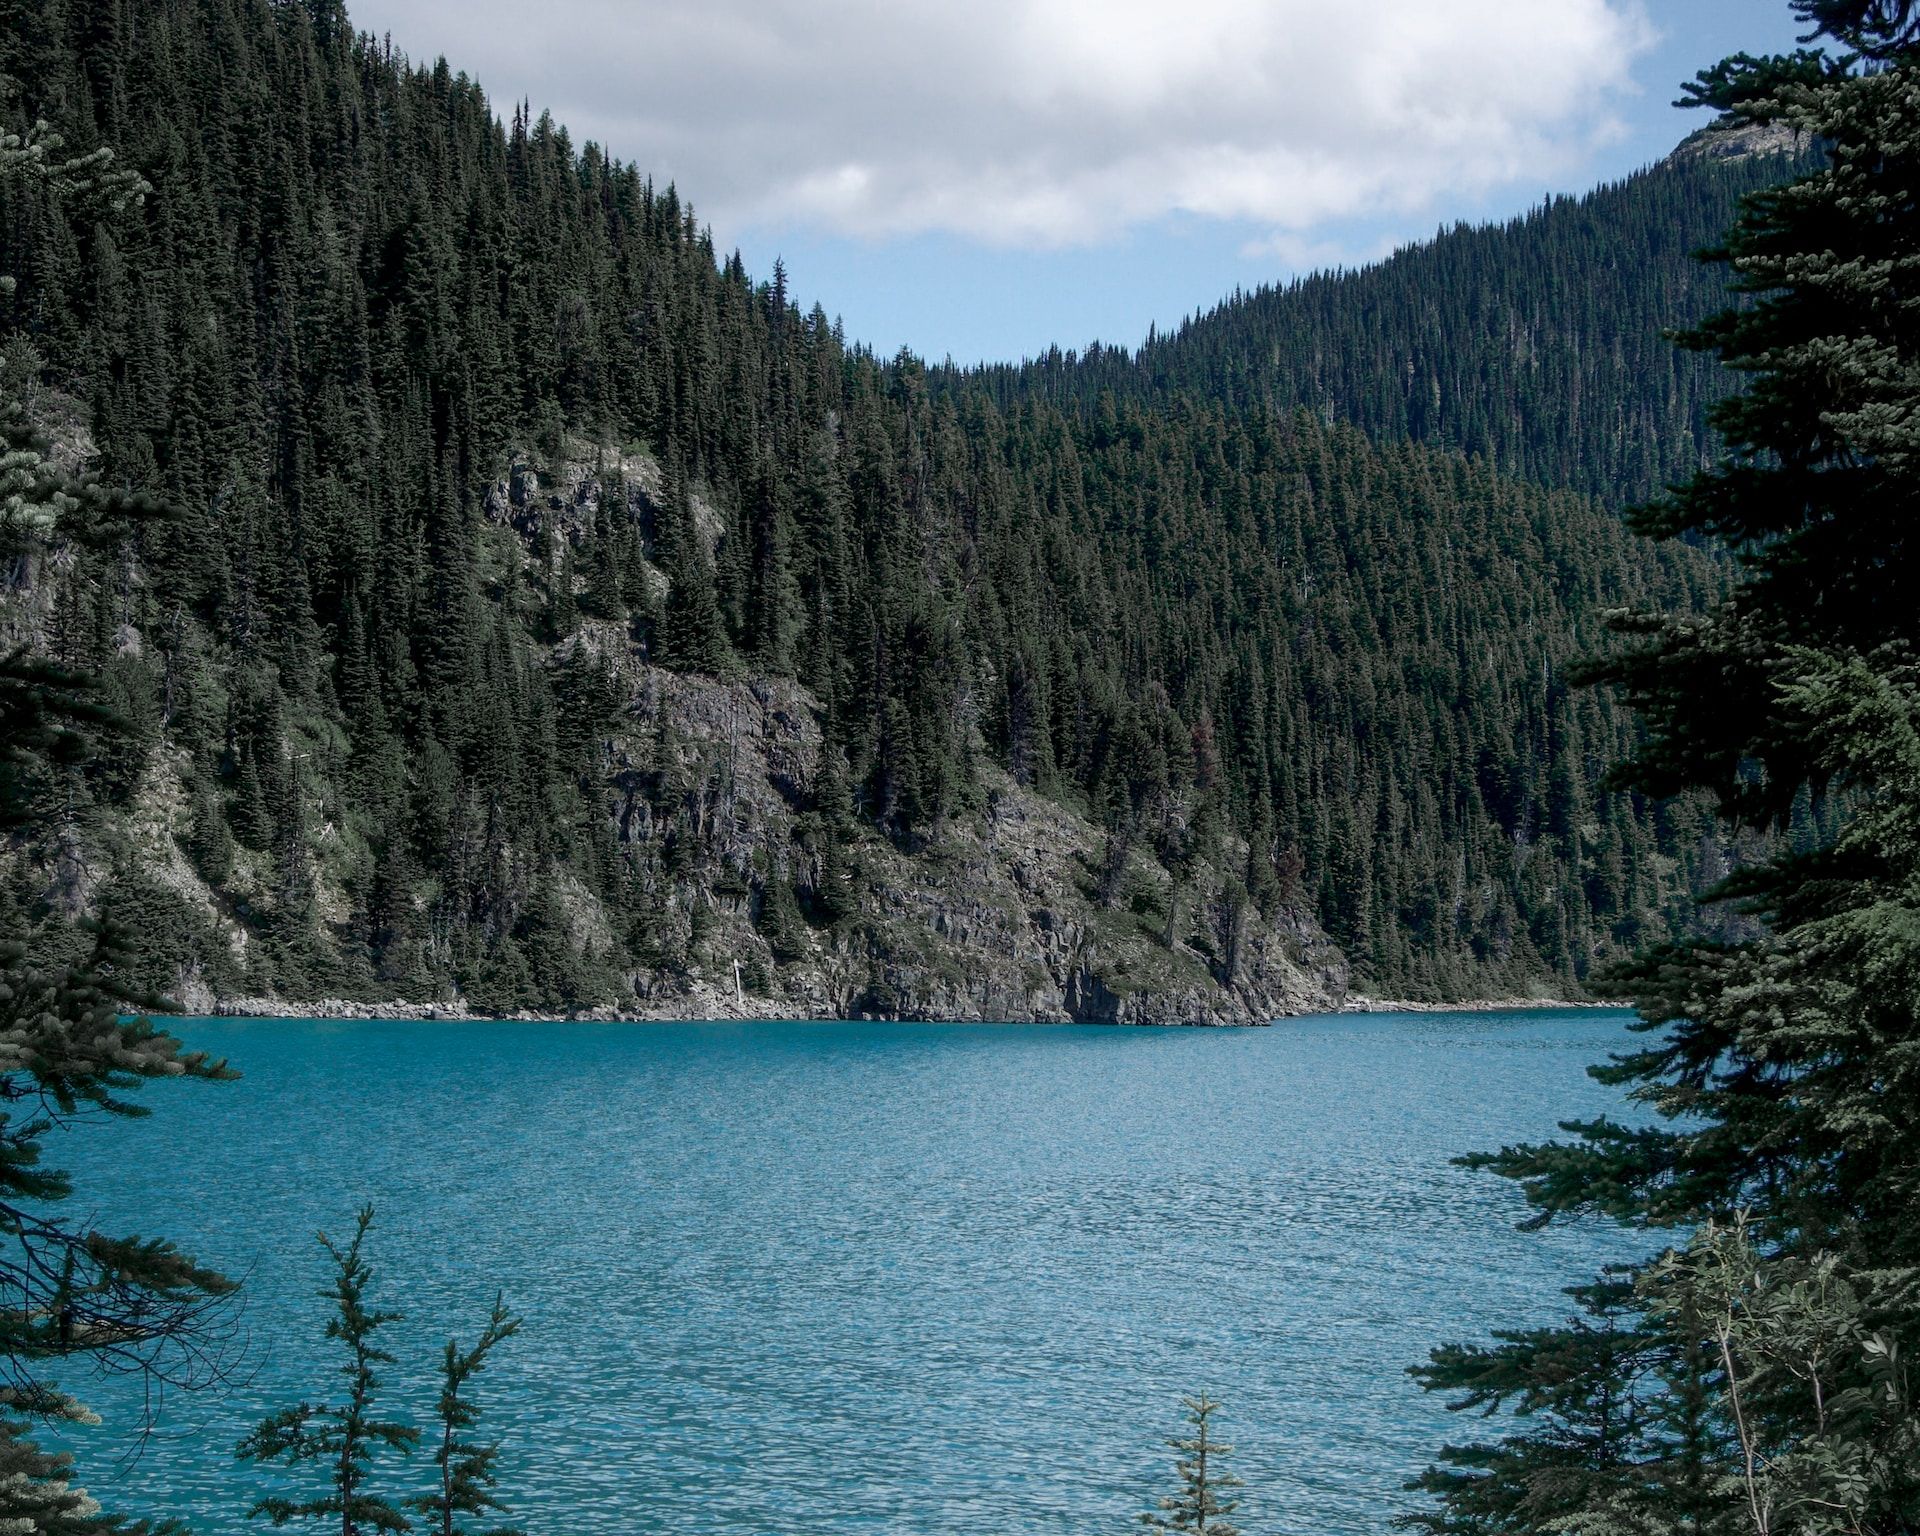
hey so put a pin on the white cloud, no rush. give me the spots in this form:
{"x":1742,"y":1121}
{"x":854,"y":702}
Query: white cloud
{"x":1294,"y":252}
{"x":1047,"y":123}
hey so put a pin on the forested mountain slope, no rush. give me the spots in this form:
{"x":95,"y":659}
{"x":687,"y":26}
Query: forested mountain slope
{"x":1539,"y":344}
{"x":551,"y":616}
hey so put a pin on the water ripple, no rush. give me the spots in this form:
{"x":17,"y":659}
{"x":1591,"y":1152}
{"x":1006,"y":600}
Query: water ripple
{"x":861,"y":1278}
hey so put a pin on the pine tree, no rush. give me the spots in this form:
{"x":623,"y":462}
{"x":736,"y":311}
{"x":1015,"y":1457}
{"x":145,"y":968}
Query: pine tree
{"x":1780,"y":1064}
{"x":692,"y":637}
{"x":339,"y":1439}
{"x":1590,"y":1396}
{"x":827,"y":833}
{"x":466,"y":1467}
{"x":77,"y":1295}
{"x":1199,"y":1506}
{"x":778,"y":919}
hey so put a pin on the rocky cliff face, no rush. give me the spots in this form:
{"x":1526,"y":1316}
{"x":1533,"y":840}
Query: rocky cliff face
{"x":757,"y":901}
{"x":1740,"y":141}
{"x":994,"y":918}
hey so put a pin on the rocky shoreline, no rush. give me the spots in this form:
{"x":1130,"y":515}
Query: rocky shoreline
{"x":1475,"y":1004}
{"x":710,"y":1004}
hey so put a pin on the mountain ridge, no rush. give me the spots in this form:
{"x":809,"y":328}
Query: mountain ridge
{"x":1538,"y":342}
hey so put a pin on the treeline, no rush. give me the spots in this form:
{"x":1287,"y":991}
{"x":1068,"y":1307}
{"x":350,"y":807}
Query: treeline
{"x":1218,"y":627}
{"x":1539,"y":345}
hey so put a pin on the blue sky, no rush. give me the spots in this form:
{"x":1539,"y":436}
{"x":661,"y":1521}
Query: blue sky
{"x":983,"y":181}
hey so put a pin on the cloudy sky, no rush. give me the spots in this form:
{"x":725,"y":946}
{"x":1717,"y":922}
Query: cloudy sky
{"x":982,"y":178}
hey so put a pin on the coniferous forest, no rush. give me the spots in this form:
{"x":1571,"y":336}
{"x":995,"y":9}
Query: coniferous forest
{"x":473,"y":449}
{"x":1539,"y":345}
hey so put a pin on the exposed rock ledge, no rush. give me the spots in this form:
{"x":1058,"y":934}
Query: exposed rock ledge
{"x":704,"y":1006}
{"x":710,"y":1005}
{"x":993,"y":919}
{"x":1359,"y":1004}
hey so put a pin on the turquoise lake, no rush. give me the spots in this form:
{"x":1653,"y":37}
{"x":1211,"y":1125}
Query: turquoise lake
{"x":837,"y":1278}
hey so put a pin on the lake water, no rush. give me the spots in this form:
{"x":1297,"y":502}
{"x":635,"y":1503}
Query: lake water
{"x":838,"y":1278}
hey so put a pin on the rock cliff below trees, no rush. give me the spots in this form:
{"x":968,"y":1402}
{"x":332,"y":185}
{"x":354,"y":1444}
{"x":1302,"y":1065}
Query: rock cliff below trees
{"x":994,"y":918}
{"x":715,"y":807}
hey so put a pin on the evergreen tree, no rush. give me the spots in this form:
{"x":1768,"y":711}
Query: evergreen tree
{"x":466,"y":1467}
{"x":1199,"y":1506}
{"x":338,"y":1440}
{"x":691,"y":635}
{"x":1781,"y":1063}
{"x":79,"y":1296}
